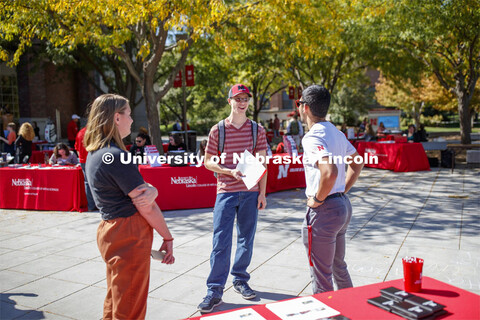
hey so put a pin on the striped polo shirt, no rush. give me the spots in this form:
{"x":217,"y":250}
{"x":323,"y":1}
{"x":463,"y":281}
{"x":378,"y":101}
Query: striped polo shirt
{"x":236,"y":141}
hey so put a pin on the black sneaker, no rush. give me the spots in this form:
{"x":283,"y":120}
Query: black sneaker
{"x":208,"y":304}
{"x":243,"y":288}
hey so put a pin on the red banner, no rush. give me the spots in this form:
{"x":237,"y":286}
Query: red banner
{"x":177,"y":83}
{"x":299,"y":91}
{"x":291,"y":93}
{"x":189,"y":71}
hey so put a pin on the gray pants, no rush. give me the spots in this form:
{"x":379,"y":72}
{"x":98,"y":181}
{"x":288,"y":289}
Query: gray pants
{"x":329,"y":224}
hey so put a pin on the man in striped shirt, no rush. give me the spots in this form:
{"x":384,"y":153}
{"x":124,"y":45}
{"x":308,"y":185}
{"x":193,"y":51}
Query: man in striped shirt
{"x":233,"y":199}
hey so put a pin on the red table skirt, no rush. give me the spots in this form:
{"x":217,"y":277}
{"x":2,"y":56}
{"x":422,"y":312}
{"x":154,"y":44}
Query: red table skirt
{"x":285,"y":176}
{"x":352,"y":302}
{"x":399,"y":157}
{"x":181,"y":187}
{"x":43,"y":189}
{"x":193,"y":187}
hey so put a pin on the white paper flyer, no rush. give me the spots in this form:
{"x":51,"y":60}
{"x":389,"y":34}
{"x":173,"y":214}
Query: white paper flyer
{"x":306,"y":308}
{"x":252,"y":169}
{"x":243,"y":314}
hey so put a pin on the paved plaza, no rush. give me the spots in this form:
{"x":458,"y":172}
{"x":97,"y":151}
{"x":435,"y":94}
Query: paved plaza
{"x":50,"y":267}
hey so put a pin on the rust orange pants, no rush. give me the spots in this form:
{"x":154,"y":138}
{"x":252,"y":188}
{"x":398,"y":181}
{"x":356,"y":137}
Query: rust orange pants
{"x":125,"y":245}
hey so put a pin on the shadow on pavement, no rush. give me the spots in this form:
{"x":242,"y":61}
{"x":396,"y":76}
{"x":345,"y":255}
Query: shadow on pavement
{"x":8,"y":310}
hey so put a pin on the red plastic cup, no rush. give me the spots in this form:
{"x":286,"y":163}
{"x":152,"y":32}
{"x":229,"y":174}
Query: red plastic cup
{"x":412,"y":274}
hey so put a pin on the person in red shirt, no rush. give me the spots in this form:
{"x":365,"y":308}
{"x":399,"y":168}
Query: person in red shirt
{"x":276,"y":126}
{"x":72,"y":130}
{"x":82,"y":158}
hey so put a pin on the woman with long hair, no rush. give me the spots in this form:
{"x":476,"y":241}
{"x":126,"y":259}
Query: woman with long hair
{"x":23,"y":144}
{"x":63,"y":155}
{"x":128,"y":208}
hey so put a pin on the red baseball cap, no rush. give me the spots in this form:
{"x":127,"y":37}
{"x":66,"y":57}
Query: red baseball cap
{"x":237,"y":89}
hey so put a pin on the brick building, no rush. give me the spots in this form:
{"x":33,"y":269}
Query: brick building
{"x":39,"y":91}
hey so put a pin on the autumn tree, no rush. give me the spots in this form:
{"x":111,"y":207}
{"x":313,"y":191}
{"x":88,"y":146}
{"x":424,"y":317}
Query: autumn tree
{"x":109,"y":25}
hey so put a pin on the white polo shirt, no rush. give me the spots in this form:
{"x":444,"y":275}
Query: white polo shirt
{"x":324,"y":140}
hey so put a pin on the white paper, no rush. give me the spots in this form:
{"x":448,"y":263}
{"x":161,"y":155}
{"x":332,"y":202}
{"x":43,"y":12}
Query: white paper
{"x":306,"y":308}
{"x":244,"y":314}
{"x":252,"y":169}
{"x":152,"y":153}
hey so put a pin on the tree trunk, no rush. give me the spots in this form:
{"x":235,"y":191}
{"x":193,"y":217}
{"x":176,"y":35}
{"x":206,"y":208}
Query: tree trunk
{"x":464,"y":117}
{"x":463,"y":99}
{"x":152,"y":113}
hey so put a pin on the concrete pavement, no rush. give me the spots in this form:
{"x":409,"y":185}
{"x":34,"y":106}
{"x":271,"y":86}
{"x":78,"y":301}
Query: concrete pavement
{"x":50,"y":267}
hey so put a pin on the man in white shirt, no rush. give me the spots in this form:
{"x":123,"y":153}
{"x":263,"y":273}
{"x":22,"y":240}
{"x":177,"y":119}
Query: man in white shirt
{"x":328,"y":207}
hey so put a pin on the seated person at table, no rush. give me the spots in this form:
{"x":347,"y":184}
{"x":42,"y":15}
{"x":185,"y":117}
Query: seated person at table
{"x":145,"y":132}
{"x":23,"y":144}
{"x":410,"y":133}
{"x":11,"y":136}
{"x":421,"y":135}
{"x":63,"y":155}
{"x":381,"y":129}
{"x":139,"y":147}
{"x":369,"y":133}
{"x":176,"y":143}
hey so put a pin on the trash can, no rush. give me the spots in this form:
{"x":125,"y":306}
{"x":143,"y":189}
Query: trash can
{"x":447,"y":158}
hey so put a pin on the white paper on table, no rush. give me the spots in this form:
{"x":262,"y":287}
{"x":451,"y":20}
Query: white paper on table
{"x":252,"y":169}
{"x":306,"y":308}
{"x":244,"y":314}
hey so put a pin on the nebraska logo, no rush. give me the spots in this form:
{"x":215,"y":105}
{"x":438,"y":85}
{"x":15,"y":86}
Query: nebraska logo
{"x":283,"y":171}
{"x":183,"y":180}
{"x":22,"y":182}
{"x":320,"y":148}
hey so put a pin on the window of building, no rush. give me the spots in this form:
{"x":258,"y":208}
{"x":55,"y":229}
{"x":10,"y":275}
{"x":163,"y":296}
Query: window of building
{"x":9,"y":91}
{"x":287,"y":104}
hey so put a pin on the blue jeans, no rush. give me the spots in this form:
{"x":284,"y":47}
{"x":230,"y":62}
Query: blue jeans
{"x":227,"y":206}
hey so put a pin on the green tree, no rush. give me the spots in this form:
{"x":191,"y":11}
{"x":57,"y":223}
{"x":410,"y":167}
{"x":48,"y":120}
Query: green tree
{"x":437,"y":37}
{"x":351,"y":100}
{"x":109,"y":24}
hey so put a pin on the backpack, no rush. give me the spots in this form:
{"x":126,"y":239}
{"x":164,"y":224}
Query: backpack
{"x":221,"y":136}
{"x":294,"y":128}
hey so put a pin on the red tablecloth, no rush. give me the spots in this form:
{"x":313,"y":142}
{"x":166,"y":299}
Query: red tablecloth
{"x":191,"y":187}
{"x":394,"y":137}
{"x":399,"y":157}
{"x":182,"y":187}
{"x":284,"y":176}
{"x":39,"y":156}
{"x":271,"y":134}
{"x":59,"y":189}
{"x":352,"y":302}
